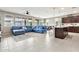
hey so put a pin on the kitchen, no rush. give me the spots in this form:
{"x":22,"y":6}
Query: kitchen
{"x":70,"y":23}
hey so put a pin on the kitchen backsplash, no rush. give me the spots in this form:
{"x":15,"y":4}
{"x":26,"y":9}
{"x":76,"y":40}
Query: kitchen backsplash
{"x":70,"y":24}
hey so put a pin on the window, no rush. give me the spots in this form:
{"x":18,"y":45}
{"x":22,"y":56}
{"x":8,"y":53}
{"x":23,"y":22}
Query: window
{"x":40,"y":22}
{"x":8,"y":21}
{"x":19,"y":21}
{"x":34,"y":23}
{"x":29,"y":22}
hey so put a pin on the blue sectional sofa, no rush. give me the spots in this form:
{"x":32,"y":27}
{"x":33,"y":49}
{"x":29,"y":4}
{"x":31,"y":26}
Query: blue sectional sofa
{"x":40,"y":29}
{"x":17,"y":30}
{"x":28,"y":29}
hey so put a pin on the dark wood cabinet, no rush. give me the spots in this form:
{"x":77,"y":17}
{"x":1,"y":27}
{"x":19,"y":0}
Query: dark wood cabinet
{"x":73,"y":19}
{"x":61,"y":33}
{"x":70,"y":29}
{"x":76,"y":29}
{"x":66,"y":20}
{"x":76,"y":19}
{"x":73,"y":29}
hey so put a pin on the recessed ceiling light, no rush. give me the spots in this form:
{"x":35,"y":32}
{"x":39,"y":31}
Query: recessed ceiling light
{"x":74,"y":11}
{"x":62,"y":8}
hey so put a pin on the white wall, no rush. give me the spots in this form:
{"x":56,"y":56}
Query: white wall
{"x":58,"y":22}
{"x":54,"y":22}
{"x":51,"y":22}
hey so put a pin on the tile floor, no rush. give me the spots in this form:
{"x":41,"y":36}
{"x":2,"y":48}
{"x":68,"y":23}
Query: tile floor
{"x":37,"y":42}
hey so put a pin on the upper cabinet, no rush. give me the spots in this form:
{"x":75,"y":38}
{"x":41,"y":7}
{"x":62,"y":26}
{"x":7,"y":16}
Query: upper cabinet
{"x":76,"y":19}
{"x":73,"y":19}
{"x":66,"y":20}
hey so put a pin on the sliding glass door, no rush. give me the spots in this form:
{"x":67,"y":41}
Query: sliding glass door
{"x":19,"y":21}
{"x":8,"y":21}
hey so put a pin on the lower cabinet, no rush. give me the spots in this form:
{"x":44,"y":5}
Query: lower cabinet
{"x":63,"y":32}
{"x":73,"y":29}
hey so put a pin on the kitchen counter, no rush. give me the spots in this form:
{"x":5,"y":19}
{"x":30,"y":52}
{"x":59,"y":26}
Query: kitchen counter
{"x":62,"y":31}
{"x":70,"y":24}
{"x":74,"y":29}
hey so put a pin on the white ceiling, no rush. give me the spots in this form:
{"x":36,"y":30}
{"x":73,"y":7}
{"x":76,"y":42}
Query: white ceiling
{"x":43,"y":12}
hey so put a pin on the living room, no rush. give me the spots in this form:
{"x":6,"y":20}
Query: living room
{"x":29,"y":29}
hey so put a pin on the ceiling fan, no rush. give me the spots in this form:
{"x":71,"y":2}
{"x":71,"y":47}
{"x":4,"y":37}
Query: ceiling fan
{"x":27,"y":12}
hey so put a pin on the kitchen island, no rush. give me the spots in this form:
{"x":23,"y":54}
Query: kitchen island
{"x":61,"y":32}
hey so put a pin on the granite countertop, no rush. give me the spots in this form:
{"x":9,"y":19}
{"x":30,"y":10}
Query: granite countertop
{"x":62,"y":26}
{"x":71,"y":24}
